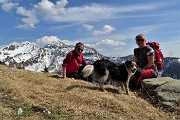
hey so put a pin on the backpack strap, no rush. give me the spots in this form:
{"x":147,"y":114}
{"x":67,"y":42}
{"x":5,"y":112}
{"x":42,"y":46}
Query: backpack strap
{"x":146,"y":52}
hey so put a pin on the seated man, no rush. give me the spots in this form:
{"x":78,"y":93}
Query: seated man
{"x":73,"y":62}
{"x":144,"y":57}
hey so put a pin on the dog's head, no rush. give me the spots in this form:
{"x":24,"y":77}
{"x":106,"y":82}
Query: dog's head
{"x":131,"y":65}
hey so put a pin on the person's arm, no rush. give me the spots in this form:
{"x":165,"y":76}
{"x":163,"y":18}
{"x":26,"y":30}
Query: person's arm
{"x":150,"y":57}
{"x":64,"y":71}
{"x":66,"y":61}
{"x":150,"y":61}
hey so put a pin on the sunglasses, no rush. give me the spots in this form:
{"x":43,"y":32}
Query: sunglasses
{"x":138,"y":40}
{"x":80,"y":49}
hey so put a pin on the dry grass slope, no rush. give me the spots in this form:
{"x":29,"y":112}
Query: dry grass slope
{"x":67,"y":99}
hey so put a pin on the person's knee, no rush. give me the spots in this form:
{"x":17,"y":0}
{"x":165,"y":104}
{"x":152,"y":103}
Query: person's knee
{"x":147,"y":74}
{"x":75,"y":76}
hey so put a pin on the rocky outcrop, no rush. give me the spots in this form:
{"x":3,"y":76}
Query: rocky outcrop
{"x":165,"y":89}
{"x":12,"y":47}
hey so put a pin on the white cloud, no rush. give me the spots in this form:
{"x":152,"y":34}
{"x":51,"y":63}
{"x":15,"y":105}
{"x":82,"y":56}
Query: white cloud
{"x":46,"y":40}
{"x":30,"y":18}
{"x":95,"y":12}
{"x":91,"y":12}
{"x":147,"y":28}
{"x":105,"y":30}
{"x":53,"y":39}
{"x":68,"y":42}
{"x":110,"y":43}
{"x":46,"y":10}
{"x":7,"y":5}
{"x":108,"y":47}
{"x":140,"y":7}
{"x":88,"y":27}
{"x":170,"y":49}
{"x":2,"y":1}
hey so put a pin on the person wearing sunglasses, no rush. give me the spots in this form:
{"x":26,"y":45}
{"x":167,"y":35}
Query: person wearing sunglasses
{"x":144,"y":56}
{"x":74,"y":62}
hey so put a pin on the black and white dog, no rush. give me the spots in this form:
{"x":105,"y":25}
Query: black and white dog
{"x":104,"y":69}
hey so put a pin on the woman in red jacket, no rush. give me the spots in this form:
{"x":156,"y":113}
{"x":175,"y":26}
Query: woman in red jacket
{"x":74,"y":59}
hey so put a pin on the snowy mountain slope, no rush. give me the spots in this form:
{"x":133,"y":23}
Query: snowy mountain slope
{"x":19,"y":52}
{"x":31,"y":57}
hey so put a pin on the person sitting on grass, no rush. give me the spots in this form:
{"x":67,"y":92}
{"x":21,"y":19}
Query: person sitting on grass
{"x":74,"y":62}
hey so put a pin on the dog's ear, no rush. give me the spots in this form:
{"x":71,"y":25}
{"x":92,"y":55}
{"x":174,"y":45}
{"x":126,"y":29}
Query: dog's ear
{"x":128,"y":62}
{"x":131,"y":61}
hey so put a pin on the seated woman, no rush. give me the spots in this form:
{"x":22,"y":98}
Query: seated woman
{"x":144,"y":56}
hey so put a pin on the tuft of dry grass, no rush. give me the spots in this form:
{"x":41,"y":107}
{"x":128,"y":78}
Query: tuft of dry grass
{"x":68,"y":99}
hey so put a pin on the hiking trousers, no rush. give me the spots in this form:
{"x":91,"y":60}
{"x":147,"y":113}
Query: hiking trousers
{"x":141,"y":75}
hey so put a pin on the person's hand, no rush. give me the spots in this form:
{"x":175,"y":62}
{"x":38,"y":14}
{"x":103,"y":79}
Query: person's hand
{"x":141,"y":69}
{"x":67,"y":78}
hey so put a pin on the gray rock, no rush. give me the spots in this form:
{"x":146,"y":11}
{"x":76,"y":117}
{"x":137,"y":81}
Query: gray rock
{"x":165,"y":89}
{"x":169,"y":92}
{"x":155,"y":82}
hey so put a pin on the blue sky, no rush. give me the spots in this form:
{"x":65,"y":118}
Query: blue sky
{"x":109,"y":26}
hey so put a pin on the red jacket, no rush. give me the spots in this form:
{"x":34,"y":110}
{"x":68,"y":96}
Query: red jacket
{"x":73,"y":61}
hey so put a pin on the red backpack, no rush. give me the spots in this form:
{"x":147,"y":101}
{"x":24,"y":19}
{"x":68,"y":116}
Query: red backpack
{"x":159,"y":59}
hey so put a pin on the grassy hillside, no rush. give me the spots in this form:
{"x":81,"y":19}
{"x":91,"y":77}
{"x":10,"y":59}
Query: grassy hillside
{"x":67,"y":99}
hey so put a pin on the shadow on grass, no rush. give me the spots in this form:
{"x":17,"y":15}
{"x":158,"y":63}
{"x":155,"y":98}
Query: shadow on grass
{"x":55,"y":76}
{"x":112,"y":90}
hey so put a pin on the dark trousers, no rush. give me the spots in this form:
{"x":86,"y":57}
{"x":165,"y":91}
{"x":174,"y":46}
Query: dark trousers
{"x":73,"y":75}
{"x":79,"y":75}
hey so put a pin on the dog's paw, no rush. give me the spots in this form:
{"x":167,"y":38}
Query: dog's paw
{"x":120,"y":92}
{"x":127,"y":93}
{"x":102,"y":89}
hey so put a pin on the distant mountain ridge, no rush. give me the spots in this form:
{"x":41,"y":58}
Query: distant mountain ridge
{"x":29,"y":56}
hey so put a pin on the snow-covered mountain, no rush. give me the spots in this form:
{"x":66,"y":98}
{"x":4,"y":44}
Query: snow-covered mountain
{"x":29,"y":56}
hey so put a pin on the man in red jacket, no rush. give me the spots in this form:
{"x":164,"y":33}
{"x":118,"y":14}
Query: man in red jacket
{"x":74,"y":59}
